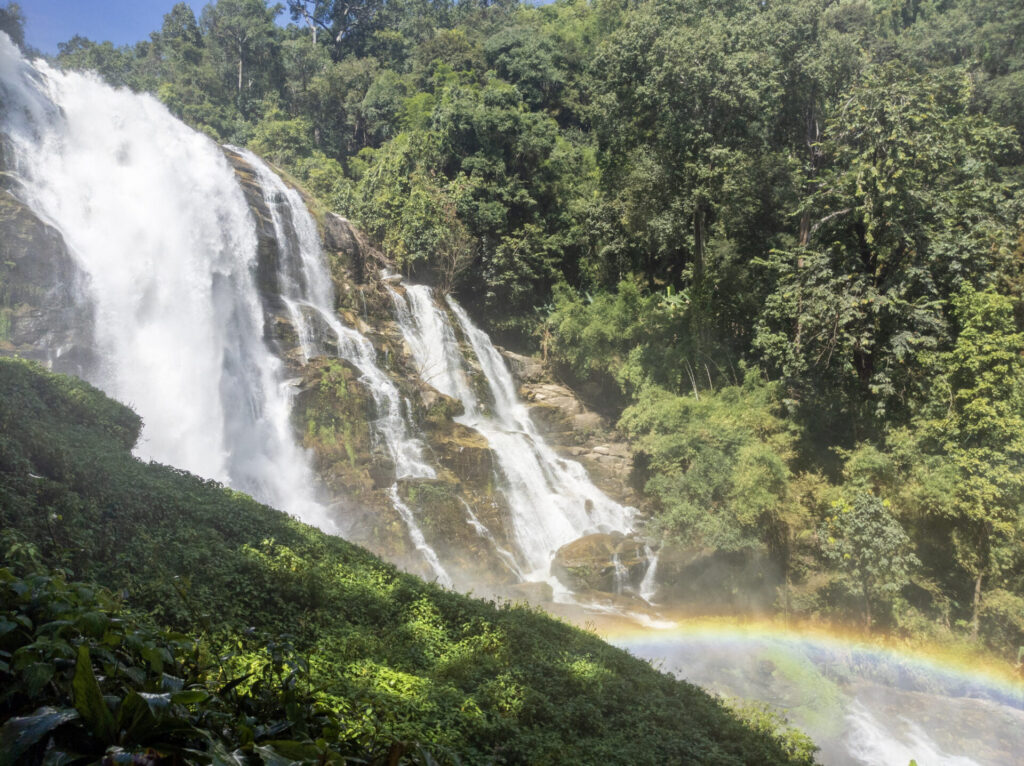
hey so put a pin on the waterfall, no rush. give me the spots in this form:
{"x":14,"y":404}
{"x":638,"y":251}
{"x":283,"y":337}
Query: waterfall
{"x":649,"y":585}
{"x":620,"y":575}
{"x":552,"y":500}
{"x":877,"y":742}
{"x":308,"y":294}
{"x":418,"y":540}
{"x":153,"y":214}
{"x":481,"y":529}
{"x":307,"y":291}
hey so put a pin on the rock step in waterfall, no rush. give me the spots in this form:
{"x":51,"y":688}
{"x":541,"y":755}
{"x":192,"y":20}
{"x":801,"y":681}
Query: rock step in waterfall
{"x":551,"y":499}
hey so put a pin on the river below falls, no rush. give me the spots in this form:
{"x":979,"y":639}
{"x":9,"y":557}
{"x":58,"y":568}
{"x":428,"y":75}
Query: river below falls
{"x":860,"y":703}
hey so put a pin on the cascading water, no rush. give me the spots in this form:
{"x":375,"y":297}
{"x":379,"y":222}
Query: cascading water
{"x":153,"y":215}
{"x":649,"y":585}
{"x":552,"y":500}
{"x":620,"y":576}
{"x":305,"y":288}
{"x":481,"y":529}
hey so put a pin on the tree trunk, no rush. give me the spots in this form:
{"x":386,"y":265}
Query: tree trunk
{"x":976,"y":603}
{"x":867,"y":609}
{"x":984,"y":559}
{"x":698,"y":245}
{"x":310,"y":22}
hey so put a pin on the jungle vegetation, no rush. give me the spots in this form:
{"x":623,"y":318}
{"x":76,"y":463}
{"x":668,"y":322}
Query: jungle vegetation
{"x":779,"y":242}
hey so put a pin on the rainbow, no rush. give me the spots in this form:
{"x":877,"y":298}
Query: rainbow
{"x":950,"y":669}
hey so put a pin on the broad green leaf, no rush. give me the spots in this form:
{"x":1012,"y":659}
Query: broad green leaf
{"x":189,"y":696}
{"x":271,"y":757}
{"x":89,"y":700}
{"x":36,"y":676}
{"x":19,"y":734}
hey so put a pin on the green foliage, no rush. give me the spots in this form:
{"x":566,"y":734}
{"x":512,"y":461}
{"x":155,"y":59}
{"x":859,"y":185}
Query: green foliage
{"x":909,"y":206}
{"x":296,"y":635}
{"x":12,"y":21}
{"x":871,"y":549}
{"x":973,"y":420}
{"x":718,"y":464}
{"x":84,"y":679}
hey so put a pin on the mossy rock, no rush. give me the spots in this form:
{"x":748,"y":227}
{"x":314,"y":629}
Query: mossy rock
{"x":439,"y":409}
{"x":333,"y":413}
{"x":588,"y":562}
{"x":465,"y":453}
{"x":44,"y":313}
{"x":440,"y":508}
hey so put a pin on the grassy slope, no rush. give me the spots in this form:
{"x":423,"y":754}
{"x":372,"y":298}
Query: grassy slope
{"x":419,"y":663}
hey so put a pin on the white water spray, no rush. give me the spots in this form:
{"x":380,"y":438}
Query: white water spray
{"x":874,"y":743}
{"x":649,"y":585}
{"x":153,"y":214}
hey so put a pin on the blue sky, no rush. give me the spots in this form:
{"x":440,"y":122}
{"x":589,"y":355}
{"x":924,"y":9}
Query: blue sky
{"x":49,"y":22}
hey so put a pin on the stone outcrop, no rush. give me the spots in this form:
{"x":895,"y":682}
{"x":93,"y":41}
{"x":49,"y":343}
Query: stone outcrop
{"x":361,"y":259}
{"x":45,"y":313}
{"x":593,"y":561}
{"x":576,"y":431}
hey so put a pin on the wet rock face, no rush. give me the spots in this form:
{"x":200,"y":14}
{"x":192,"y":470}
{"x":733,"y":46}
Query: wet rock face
{"x":44,"y":310}
{"x":278,"y":328}
{"x":577,"y":432}
{"x":589,"y":563}
{"x":333,"y":412}
{"x":361,"y":259}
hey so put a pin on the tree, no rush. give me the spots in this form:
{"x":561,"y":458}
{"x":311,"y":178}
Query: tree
{"x":974,"y":418}
{"x":12,"y":21}
{"x":245,"y":33}
{"x":180,"y":39}
{"x":910,"y":202}
{"x":719,"y":464}
{"x":870,"y":547}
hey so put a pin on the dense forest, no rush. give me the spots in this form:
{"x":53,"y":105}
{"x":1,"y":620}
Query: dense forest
{"x":780,"y":242}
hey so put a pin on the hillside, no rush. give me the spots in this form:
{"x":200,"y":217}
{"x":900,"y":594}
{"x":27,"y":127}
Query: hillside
{"x":400,"y":663}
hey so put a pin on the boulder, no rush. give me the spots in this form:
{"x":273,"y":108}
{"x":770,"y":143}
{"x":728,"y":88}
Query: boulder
{"x":465,"y":453}
{"x":439,"y":409}
{"x":357,"y":255}
{"x":589,"y":563}
{"x":525,"y":369}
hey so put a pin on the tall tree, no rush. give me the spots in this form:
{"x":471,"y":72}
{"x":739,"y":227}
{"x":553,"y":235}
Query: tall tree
{"x":910,"y":203}
{"x":246,"y":36}
{"x":974,"y":418}
{"x":867,"y":544}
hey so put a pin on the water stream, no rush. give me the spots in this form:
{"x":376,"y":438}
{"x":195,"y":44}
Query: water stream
{"x":306,"y":289}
